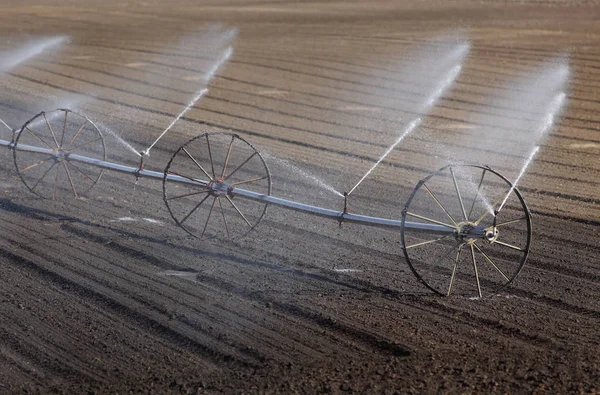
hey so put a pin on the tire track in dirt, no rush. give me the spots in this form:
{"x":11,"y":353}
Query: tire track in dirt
{"x":134,"y":255}
{"x":179,"y":335}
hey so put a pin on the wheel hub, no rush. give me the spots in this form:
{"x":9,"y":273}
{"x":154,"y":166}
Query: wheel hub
{"x":219,"y":188}
{"x":60,"y":155}
{"x":467,"y":231}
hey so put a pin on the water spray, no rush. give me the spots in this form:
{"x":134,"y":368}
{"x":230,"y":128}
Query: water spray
{"x":446,"y":82}
{"x":124,"y":143}
{"x":12,"y":131}
{"x":305,"y":174}
{"x":521,"y":173}
{"x":206,"y":78}
{"x":553,"y":109}
{"x":10,"y":59}
{"x":197,"y":97}
{"x":448,"y":78}
{"x":224,"y":58}
{"x":5,"y":124}
{"x":411,"y":126}
{"x":548,"y":121}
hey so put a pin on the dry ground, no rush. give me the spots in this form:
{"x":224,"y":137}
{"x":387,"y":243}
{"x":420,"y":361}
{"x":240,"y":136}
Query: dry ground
{"x":86,"y":302}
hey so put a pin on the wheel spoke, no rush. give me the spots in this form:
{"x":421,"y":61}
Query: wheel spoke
{"x":227,"y":158}
{"x":189,"y":178}
{"x":43,"y":176}
{"x":188,"y":194}
{"x":51,"y":130}
{"x":84,"y":144}
{"x":462,"y":206}
{"x":249,"y":181}
{"x":224,"y":220}
{"x":491,"y":262}
{"x":212,"y":165}
{"x":508,"y":245}
{"x":477,"y":194}
{"x":238,"y":210}
{"x":511,"y":222}
{"x":240,"y":166}
{"x":82,"y":172}
{"x":35,"y":165}
{"x":208,"y":218}
{"x":454,"y":270}
{"x":39,"y":138}
{"x":62,"y":136}
{"x":429,"y":219}
{"x":220,"y":160}
{"x":475,"y":269}
{"x":430,"y":241}
{"x":472,"y":265}
{"x":194,"y":209}
{"x":70,"y":179}
{"x":443,"y":256}
{"x":55,"y":183}
{"x":439,"y":204}
{"x":56,"y":133}
{"x":197,"y":164}
{"x":76,"y":134}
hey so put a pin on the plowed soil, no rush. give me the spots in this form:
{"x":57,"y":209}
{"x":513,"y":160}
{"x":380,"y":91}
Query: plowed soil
{"x":105,"y":294}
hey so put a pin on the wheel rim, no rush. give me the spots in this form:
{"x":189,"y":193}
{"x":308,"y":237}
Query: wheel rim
{"x":214,"y":163}
{"x":53,"y":175}
{"x":491,"y":236}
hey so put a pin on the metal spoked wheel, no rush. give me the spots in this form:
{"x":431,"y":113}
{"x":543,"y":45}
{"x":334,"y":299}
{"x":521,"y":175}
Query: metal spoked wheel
{"x":213,"y":164}
{"x":488,"y":237}
{"x":46,"y":142}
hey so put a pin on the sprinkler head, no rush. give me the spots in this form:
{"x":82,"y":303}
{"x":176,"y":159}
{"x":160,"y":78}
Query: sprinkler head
{"x":345,"y":202}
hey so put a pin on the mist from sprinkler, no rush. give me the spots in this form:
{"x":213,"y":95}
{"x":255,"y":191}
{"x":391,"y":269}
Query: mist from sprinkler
{"x":213,"y":42}
{"x":521,"y":173}
{"x":453,"y":60}
{"x":191,"y":104}
{"x":303,"y":173}
{"x":12,"y":58}
{"x":116,"y":136}
{"x":547,"y":123}
{"x":208,"y":75}
{"x":9,"y":59}
{"x":520,"y":117}
{"x":220,"y":61}
{"x":5,"y":125}
{"x":441,"y":88}
{"x":408,"y":130}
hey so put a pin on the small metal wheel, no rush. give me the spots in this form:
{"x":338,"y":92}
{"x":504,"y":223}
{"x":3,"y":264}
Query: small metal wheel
{"x":43,"y":148}
{"x":483,"y":236}
{"x":199,"y":186}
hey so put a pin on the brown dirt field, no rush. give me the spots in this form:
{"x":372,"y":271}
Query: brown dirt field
{"x":86,"y":302}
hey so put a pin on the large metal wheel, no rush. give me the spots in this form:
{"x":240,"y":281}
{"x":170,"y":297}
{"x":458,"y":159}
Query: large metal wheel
{"x":213,"y":164}
{"x":60,"y":133}
{"x":489,"y":231}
